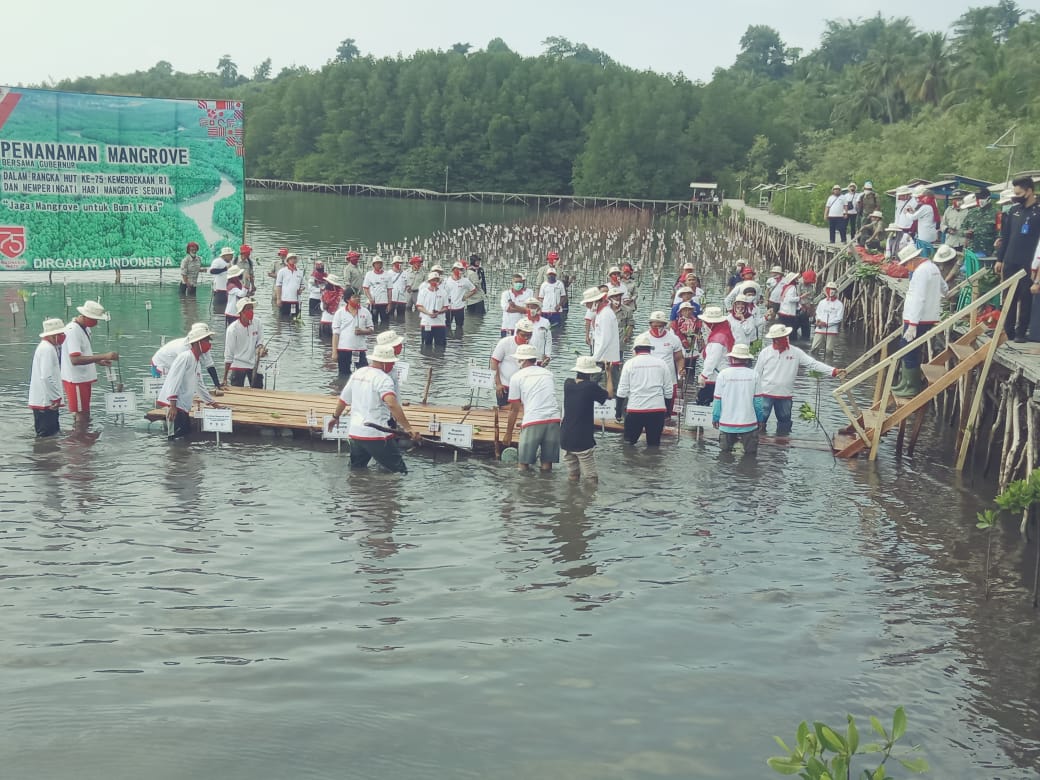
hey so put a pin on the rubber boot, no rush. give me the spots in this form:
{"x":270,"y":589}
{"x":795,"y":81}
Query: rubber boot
{"x":901,"y":384}
{"x":914,"y":383}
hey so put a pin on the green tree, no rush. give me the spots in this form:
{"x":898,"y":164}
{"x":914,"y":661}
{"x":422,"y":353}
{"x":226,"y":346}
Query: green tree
{"x":228,"y":71}
{"x":347,"y":51}
{"x":262,"y":72}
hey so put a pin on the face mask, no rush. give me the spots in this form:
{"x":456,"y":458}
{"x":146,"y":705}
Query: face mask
{"x":657,"y":331}
{"x":60,"y":339}
{"x":398,"y":349}
{"x":780,"y":344}
{"x":90,"y":323}
{"x":246,"y":316}
{"x":205,"y":346}
{"x":518,"y":285}
{"x":1018,"y":199}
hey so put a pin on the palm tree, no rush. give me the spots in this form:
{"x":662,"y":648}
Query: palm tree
{"x":928,"y":80}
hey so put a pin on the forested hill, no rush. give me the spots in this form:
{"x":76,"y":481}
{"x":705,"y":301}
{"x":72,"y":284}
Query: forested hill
{"x":877,"y":99}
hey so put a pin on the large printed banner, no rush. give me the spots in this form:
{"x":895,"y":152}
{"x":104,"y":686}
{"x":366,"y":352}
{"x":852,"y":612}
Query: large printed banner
{"x":90,"y":182}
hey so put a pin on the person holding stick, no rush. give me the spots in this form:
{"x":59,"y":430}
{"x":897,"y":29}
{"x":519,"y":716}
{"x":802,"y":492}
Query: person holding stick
{"x":372,"y":397}
{"x":79,"y":363}
{"x":45,"y":379}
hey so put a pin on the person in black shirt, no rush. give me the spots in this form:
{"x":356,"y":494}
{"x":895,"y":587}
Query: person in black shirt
{"x":577,"y":431}
{"x":1019,"y":232}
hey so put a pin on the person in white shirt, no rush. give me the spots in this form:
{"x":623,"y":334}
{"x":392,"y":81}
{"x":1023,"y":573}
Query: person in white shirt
{"x":331,"y":301}
{"x":218,"y":269}
{"x":922,"y":308}
{"x":737,"y":405}
{"x":553,"y":297}
{"x":79,"y":363}
{"x":399,"y":280}
{"x":162,"y":360}
{"x":719,"y":341}
{"x":666,"y":347}
{"x":243,"y":347}
{"x":432,"y":305}
{"x":459,"y":289}
{"x":646,"y":386}
{"x":533,"y":388}
{"x":926,"y":215}
{"x":777,"y":366}
{"x":905,"y":207}
{"x":834,"y":213}
{"x":315,"y":287}
{"x":503,"y":358}
{"x":774,"y":287}
{"x":45,"y":379}
{"x":287,"y":285}
{"x":372,"y":397}
{"x":184,"y":382}
{"x":512,"y":301}
{"x":350,"y":325}
{"x":236,"y":291}
{"x":541,"y":337}
{"x":852,"y":208}
{"x":790,"y":300}
{"x":606,"y":341}
{"x":377,"y":290}
{"x":829,"y":315}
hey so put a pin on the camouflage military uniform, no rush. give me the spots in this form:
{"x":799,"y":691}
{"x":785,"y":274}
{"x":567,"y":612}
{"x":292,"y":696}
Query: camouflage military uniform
{"x":980,"y":230}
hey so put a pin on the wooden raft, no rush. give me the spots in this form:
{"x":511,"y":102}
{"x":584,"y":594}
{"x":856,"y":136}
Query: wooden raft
{"x":254,"y":410}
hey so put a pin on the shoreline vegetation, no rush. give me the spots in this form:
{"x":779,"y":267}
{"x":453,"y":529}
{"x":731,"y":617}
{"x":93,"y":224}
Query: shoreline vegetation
{"x":877,"y":99}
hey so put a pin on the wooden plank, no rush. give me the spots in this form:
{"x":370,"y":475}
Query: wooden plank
{"x":933,"y":373}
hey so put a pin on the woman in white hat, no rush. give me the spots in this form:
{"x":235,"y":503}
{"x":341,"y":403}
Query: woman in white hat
{"x":79,"y":363}
{"x":236,"y":291}
{"x":331,"y":300}
{"x":45,"y":379}
{"x":737,"y":405}
{"x":184,"y":382}
{"x":667,"y":347}
{"x":377,"y":289}
{"x":578,"y":428}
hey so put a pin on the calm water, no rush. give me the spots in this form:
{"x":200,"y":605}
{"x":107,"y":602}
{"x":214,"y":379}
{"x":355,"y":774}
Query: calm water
{"x":254,"y":611}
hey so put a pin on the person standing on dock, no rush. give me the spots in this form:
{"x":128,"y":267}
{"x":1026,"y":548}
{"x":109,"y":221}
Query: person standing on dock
{"x":869,"y":201}
{"x":350,"y":325}
{"x":776,"y":367}
{"x":503,"y":358}
{"x":398,"y":282}
{"x":980,"y":223}
{"x":553,"y":297}
{"x":829,"y":315}
{"x":1019,"y":231}
{"x":647,"y":389}
{"x":373,"y":401}
{"x":834,"y":213}
{"x":513,"y":301}
{"x":243,"y":347}
{"x":218,"y":269}
{"x":191,"y":266}
{"x":184,"y":382}
{"x":432,"y":306}
{"x":533,"y":388}
{"x":79,"y":363}
{"x":578,"y":427}
{"x":922,"y":308}
{"x":353,"y":275}
{"x":377,"y":289}
{"x":737,"y":410}
{"x":45,"y":390}
{"x":287,"y":286}
{"x":459,"y":289}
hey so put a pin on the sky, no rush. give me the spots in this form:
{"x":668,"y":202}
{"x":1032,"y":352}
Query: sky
{"x":49,"y":40}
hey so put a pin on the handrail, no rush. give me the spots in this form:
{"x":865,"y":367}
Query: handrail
{"x":945,"y":325}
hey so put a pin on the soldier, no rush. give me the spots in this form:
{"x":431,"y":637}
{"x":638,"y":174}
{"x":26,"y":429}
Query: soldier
{"x":980,"y":224}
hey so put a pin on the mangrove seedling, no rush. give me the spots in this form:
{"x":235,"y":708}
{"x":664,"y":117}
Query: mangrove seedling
{"x":1019,"y":498}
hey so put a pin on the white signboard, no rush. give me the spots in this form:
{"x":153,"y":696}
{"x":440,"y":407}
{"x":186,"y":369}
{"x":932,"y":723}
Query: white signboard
{"x":603,"y":411}
{"x":457,"y":435}
{"x":14,"y":308}
{"x":698,"y":416}
{"x":152,"y":386}
{"x":401,"y":372}
{"x":340,"y":431}
{"x":120,"y":403}
{"x":147,"y":304}
{"x":216,"y":420}
{"x":481,"y":378}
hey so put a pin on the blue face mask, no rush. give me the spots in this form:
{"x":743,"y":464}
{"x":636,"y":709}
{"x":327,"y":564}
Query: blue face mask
{"x":518,"y":285}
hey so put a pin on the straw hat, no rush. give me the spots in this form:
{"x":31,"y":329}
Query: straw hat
{"x":944,"y":254}
{"x":790,"y":277}
{"x":613,"y":270}
{"x":741,"y":352}
{"x":614,"y":291}
{"x":970,"y":201}
{"x":235,"y":271}
{"x":433,"y":275}
{"x":893,"y":228}
{"x":396,"y":259}
{"x":200,"y":331}
{"x":383,"y":354}
{"x":658,"y":316}
{"x":902,"y":190}
{"x":831,"y":286}
{"x":436,"y":268}
{"x":919,"y":191}
{"x":533,"y":303}
{"x":550,"y":270}
{"x":713,"y":314}
{"x":687,"y":266}
{"x":684,"y":290}
{"x":389,"y":338}
{"x":642,"y":341}
{"x":526,"y":352}
{"x":292,"y":256}
{"x":776,"y":270}
{"x":908,"y":253}
{"x":334,"y":280}
{"x":748,"y":288}
{"x":592,"y":294}
{"x":586,"y":364}
{"x":93,"y":310}
{"x":525,"y":325}
{"x":458,"y":265}
{"x":227,"y":252}
{"x":877,"y":214}
{"x":52,"y":327}
{"x":241,"y":303}
{"x":778,"y":331}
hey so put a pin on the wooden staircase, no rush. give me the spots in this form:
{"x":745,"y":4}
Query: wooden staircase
{"x":955,"y":362}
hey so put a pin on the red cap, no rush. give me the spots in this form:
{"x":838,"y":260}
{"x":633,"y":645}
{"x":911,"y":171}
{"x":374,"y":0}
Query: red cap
{"x":353,"y":255}
{"x":192,"y":244}
{"x":416,"y":260}
{"x":809,"y":276}
{"x":747,"y":270}
{"x":245,"y":249}
{"x":283,"y":252}
{"x":554,"y":255}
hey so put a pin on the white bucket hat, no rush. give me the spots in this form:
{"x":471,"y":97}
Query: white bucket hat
{"x":970,"y":201}
{"x":525,"y":325}
{"x":778,"y":331}
{"x":334,"y":280}
{"x":741,"y":352}
{"x":684,"y":290}
{"x":790,"y":277}
{"x":200,"y":331}
{"x":592,"y":295}
{"x":713,"y":314}
{"x":893,"y":228}
{"x":831,"y":286}
{"x":877,"y":214}
{"x":642,"y":340}
{"x":52,"y":327}
{"x":944,"y":254}
{"x":383,"y":354}
{"x":526,"y":352}
{"x":586,"y":364}
{"x":658,"y":316}
{"x":432,"y":275}
{"x":908,"y":253}
{"x":235,"y":271}
{"x":227,"y":251}
{"x":776,"y":270}
{"x":376,"y":259}
{"x":613,"y":270}
{"x":94,"y":311}
{"x":389,"y":338}
{"x":458,"y":265}
{"x":685,"y":305}
{"x":241,"y":303}
{"x":533,"y":303}
{"x":919,"y":191}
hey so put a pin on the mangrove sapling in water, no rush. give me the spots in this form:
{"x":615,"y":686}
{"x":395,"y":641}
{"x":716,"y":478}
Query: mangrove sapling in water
{"x":1020,"y":497}
{"x":824,"y":753}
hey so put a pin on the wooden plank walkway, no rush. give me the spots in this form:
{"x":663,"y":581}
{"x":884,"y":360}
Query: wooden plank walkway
{"x":818,"y":235}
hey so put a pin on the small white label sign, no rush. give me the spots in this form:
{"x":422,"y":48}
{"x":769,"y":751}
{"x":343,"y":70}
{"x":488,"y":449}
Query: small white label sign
{"x":152,"y":386}
{"x":698,"y":416}
{"x":147,"y":305}
{"x":483,"y":378}
{"x":603,"y":411}
{"x":457,"y":435}
{"x":14,"y":308}
{"x":340,"y":431}
{"x":120,"y":403}
{"x":401,"y":372}
{"x":216,"y":420}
